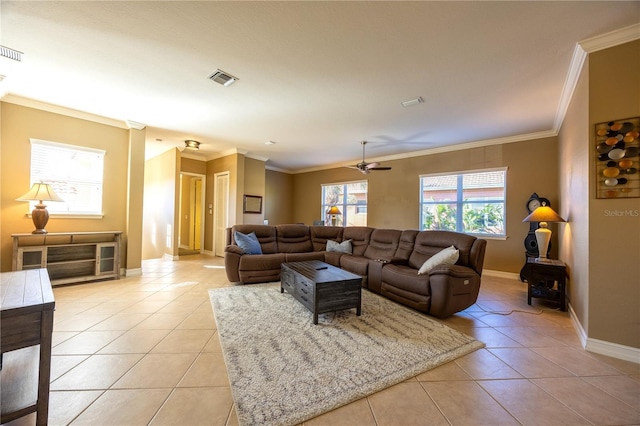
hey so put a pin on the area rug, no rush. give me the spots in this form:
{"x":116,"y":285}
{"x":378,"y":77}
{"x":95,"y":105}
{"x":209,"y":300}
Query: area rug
{"x":284,"y":370}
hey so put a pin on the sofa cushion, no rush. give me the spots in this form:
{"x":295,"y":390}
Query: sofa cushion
{"x":405,"y":278}
{"x":428,"y":243}
{"x":248,"y":242}
{"x":321,"y":234}
{"x":448,"y":256}
{"x":343,"y":247}
{"x":266,"y":235}
{"x":293,"y":238}
{"x":383,"y":244}
{"x":359,"y":236}
{"x":303,"y":257}
{"x":355,"y":264}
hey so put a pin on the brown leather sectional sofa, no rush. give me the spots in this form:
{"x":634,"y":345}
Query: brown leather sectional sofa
{"x":387,"y":259}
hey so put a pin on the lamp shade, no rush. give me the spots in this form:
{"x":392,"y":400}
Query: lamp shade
{"x":334,"y":210}
{"x":40,"y":192}
{"x":543,"y":214}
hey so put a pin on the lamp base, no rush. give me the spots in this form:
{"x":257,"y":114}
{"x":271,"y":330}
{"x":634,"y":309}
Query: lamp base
{"x":40,"y":217}
{"x":543,"y":236}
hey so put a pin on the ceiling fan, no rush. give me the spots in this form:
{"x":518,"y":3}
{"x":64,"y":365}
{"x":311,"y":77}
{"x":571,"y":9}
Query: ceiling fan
{"x":365,"y":167}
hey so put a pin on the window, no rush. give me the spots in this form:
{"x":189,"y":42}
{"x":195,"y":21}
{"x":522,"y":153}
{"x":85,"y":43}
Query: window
{"x":75,"y":173}
{"x":472,"y":202}
{"x":351,"y":200}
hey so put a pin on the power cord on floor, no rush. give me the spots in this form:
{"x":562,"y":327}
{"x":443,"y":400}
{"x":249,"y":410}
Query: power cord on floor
{"x":540,"y":312}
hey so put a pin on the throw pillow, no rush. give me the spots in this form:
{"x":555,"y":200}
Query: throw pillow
{"x":343,"y":247}
{"x":248,"y":242}
{"x":447,"y":256}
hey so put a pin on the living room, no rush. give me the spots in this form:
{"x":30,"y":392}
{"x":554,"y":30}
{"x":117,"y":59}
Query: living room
{"x":599,"y":248}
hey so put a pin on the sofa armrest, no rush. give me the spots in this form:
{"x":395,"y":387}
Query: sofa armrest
{"x":232,"y":258}
{"x":453,"y":289}
{"x":232,"y":248}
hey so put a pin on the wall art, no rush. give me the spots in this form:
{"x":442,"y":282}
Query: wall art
{"x":252,"y":204}
{"x":618,"y":158}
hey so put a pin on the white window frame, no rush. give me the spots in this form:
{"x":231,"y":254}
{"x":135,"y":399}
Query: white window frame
{"x":346,"y":208}
{"x":460,"y":203}
{"x":60,"y":180}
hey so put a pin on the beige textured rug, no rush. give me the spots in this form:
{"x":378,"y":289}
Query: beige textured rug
{"x":285,"y":370}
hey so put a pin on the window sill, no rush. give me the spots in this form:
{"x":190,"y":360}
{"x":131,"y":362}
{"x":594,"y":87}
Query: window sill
{"x":491,"y":237}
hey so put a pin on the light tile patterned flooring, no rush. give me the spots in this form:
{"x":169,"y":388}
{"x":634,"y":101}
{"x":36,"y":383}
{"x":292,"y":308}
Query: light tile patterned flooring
{"x":144,"y":350}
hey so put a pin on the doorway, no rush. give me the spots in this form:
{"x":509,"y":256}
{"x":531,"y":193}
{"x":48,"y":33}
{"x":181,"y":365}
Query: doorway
{"x":191,"y":228}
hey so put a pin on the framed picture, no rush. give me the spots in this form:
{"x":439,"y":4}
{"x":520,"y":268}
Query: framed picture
{"x":618,"y":158}
{"x":252,"y":204}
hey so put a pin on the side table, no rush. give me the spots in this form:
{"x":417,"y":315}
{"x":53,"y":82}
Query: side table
{"x":546,"y":279}
{"x":26,"y":323}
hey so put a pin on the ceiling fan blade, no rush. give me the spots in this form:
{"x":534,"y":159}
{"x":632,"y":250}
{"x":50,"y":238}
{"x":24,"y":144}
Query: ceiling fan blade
{"x":372,"y":165}
{"x":379,"y":168}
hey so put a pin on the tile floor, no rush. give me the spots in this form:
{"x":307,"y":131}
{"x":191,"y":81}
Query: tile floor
{"x":144,"y":350}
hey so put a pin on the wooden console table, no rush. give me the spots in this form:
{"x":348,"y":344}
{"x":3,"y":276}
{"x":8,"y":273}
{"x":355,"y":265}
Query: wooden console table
{"x":26,"y":320}
{"x":70,"y":257}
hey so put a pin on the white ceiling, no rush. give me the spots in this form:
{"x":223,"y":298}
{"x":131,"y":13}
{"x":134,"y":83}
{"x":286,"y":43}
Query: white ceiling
{"x":315,"y":77}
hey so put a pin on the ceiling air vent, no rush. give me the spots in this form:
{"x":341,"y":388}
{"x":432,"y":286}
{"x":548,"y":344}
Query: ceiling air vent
{"x":223,"y":78}
{"x":7,"y":52}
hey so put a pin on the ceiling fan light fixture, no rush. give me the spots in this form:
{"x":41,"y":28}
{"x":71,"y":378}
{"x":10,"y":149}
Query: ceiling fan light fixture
{"x":412,"y":102}
{"x":192,"y":145}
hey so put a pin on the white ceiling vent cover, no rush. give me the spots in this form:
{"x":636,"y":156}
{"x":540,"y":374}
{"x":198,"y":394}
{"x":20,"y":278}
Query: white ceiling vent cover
{"x":10,"y":53}
{"x":223,"y":78}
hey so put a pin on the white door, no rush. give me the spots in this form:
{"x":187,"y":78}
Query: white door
{"x":220,"y":212}
{"x":195,"y":231}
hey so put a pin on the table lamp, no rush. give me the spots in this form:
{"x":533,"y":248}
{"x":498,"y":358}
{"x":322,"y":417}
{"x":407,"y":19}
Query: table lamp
{"x":333,"y":211}
{"x":543,"y":215}
{"x":40,"y":192}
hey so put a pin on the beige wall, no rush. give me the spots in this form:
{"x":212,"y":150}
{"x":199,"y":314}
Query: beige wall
{"x":161,"y":205}
{"x":278,"y":200}
{"x":190,"y":165}
{"x":574,"y":180}
{"x":228,"y":164}
{"x":135,"y":197}
{"x":614,"y":266}
{"x":19,"y":124}
{"x":254,"y":184}
{"x":393,"y":196}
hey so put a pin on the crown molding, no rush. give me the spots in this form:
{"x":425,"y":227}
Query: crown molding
{"x":443,"y":149}
{"x":611,"y":39}
{"x":570,"y":82}
{"x":135,"y":125}
{"x":57,"y":109}
{"x":582,"y":50}
{"x":256,"y":157}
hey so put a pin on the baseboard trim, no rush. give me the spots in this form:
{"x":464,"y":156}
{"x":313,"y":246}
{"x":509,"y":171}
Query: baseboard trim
{"x":602,"y":347}
{"x":208,"y":252}
{"x":614,"y":350}
{"x":170,"y":257}
{"x":582,"y":334}
{"x":133,"y":272}
{"x":501,"y":274}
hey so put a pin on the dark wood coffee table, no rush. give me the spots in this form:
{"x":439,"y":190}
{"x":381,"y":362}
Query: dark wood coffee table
{"x":321,"y":287}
